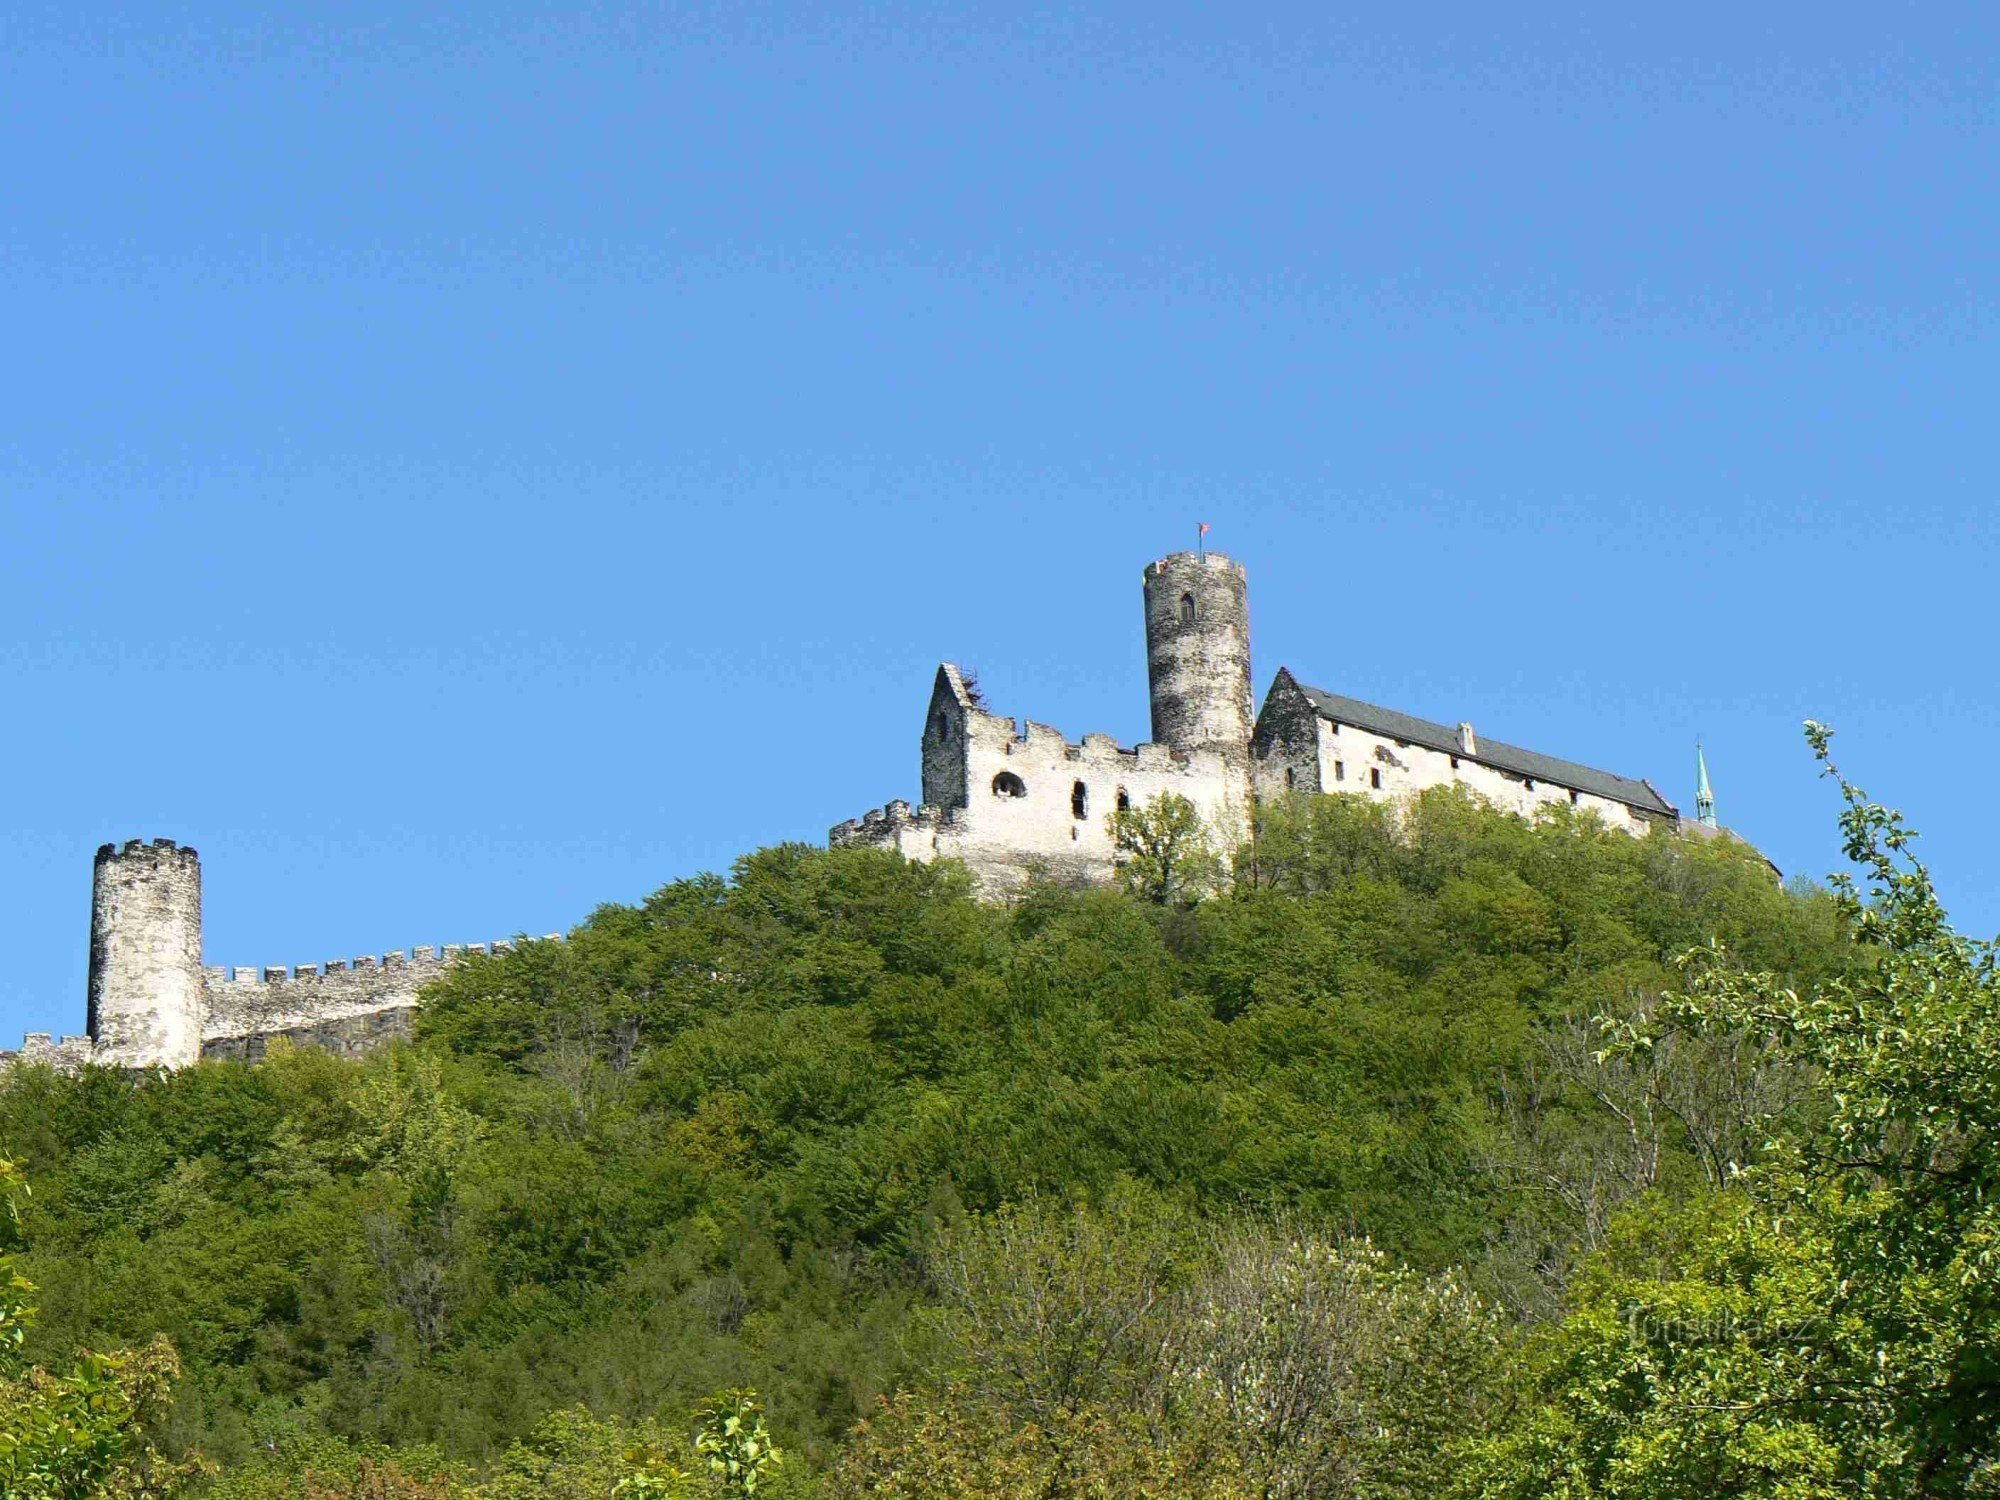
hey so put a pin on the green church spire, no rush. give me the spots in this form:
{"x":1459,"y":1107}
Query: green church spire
{"x":1704,"y":794}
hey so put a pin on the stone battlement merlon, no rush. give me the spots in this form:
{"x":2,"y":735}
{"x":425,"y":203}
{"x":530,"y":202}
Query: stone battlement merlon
{"x":1174,"y":561}
{"x":891,"y":816}
{"x":158,"y":851}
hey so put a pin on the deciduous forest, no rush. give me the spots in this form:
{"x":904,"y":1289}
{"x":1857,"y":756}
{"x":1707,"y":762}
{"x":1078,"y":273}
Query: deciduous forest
{"x":1432,"y":1153}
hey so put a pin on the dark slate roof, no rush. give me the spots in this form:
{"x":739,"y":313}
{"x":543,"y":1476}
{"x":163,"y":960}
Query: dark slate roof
{"x":1563,"y":773}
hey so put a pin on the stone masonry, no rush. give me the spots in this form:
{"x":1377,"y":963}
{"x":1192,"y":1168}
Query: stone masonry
{"x":151,"y":1003}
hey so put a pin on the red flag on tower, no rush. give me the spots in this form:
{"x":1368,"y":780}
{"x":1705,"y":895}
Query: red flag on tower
{"x":1200,"y":532}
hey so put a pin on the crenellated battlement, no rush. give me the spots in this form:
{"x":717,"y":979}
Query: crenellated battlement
{"x":40,"y":1048}
{"x":881,"y":825}
{"x":366,"y":963}
{"x":245,"y":1005}
{"x":158,"y":852}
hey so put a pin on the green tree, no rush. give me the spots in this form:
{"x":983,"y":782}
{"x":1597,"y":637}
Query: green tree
{"x":1166,"y":854}
{"x":732,"y":1437}
{"x":1340,"y":1372}
{"x":79,"y":1432}
{"x":417,"y":1137}
{"x":948,"y":1445}
{"x":1832,"y":1326}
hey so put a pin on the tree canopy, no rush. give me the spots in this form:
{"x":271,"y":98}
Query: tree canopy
{"x":1410,"y":1156}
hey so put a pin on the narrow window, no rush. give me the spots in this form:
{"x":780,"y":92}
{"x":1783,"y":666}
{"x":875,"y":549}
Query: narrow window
{"x":1079,"y":801}
{"x":1124,"y":800}
{"x":1340,"y":770}
{"x":1531,"y":783}
{"x":1575,"y":798}
{"x":1007,"y":784}
{"x":1375,"y":777}
{"x":1187,"y":609}
{"x":943,"y":730}
{"x":1291,"y":778}
{"x":1454,"y":762}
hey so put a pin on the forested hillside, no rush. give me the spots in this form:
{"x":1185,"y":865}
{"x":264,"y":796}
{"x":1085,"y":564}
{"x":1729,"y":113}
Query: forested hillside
{"x":1345,"y":1182}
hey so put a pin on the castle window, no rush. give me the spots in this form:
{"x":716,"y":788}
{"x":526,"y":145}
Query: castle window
{"x":1575,"y":797}
{"x":1454,"y":762}
{"x":1079,"y":801}
{"x":1007,"y":784}
{"x":1340,"y":770}
{"x":1375,"y":777}
{"x":1187,"y":609}
{"x":1124,"y":800}
{"x":1291,"y":778}
{"x":943,"y":730}
{"x":1531,"y":783}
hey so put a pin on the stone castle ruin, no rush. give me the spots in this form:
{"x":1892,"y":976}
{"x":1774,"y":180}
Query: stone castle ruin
{"x":151,"y":1003}
{"x":1009,"y":800}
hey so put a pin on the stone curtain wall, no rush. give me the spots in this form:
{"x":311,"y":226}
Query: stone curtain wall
{"x":246,"y":1005}
{"x":346,"y":1005}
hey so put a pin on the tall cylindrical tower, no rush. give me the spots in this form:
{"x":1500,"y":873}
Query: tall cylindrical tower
{"x":1198,"y":653}
{"x":145,"y":955}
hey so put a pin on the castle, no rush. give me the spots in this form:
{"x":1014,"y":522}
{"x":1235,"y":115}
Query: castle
{"x":1008,"y":800}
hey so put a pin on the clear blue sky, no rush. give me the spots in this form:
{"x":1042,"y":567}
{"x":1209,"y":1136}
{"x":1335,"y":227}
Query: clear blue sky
{"x":463,"y":463}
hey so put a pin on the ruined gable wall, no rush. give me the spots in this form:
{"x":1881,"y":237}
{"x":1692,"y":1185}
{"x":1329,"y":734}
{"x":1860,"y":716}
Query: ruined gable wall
{"x":943,"y":744}
{"x":1284,"y":750}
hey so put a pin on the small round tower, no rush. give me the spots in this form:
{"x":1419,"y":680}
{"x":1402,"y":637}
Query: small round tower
{"x":145,"y":955}
{"x":1198,"y":653}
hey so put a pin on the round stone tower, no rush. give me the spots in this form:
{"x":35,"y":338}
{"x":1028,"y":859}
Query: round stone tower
{"x":1198,"y":654}
{"x":145,"y":955}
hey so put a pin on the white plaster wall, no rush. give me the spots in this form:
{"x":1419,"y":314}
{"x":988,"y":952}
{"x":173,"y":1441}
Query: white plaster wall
{"x":1413,"y":768}
{"x":1000,"y":837}
{"x":1042,"y":826}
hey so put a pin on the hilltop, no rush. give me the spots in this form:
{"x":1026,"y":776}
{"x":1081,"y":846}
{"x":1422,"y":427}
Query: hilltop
{"x":706,"y":1141}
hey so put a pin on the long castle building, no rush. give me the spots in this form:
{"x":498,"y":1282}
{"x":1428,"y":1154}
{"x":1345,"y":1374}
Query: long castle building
{"x":1009,"y":800}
